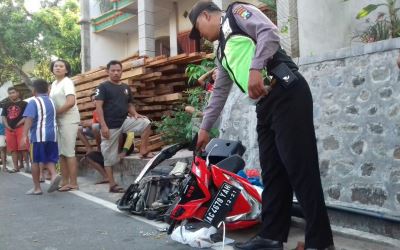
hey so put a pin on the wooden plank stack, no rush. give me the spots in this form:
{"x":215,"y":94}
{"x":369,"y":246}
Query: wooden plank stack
{"x":156,"y":83}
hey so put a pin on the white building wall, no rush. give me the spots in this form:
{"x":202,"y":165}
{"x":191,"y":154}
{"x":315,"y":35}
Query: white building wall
{"x":328,"y":25}
{"x":106,"y":46}
{"x":4,"y":89}
{"x":184,"y":23}
{"x":322,"y":26}
{"x":133,"y":44}
{"x":162,"y":30}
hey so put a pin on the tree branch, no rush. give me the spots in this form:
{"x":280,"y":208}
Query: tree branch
{"x":24,"y":76}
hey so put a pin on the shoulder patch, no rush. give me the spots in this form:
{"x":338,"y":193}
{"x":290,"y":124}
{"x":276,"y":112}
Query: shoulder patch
{"x":241,"y":11}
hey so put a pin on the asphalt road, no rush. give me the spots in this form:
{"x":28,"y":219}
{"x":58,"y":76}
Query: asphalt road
{"x":66,"y":221}
{"x":88,"y":219}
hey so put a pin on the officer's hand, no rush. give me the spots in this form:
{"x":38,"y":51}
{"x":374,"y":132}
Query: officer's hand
{"x":105,"y":132}
{"x":202,"y":139}
{"x":256,"y":84}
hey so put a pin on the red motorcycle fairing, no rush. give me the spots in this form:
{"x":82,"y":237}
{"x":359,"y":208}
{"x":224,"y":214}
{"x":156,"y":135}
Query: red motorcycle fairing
{"x":195,"y":197}
{"x":218,"y":180}
{"x":195,"y":194}
{"x":220,"y":176}
{"x":242,"y":205}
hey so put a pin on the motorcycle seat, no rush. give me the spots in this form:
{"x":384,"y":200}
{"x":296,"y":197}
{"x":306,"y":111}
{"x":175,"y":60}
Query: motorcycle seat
{"x":233,"y":163}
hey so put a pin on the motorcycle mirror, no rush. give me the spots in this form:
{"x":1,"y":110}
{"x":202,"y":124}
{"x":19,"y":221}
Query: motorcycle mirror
{"x":192,"y":145}
{"x":209,"y":153}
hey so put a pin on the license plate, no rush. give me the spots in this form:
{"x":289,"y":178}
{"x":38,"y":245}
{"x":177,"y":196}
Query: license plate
{"x":221,"y":204}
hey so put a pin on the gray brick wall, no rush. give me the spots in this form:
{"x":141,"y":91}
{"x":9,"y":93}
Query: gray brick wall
{"x":356,"y":94}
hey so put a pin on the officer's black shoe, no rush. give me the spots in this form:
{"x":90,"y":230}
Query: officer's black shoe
{"x":326,"y":248}
{"x":258,"y":243}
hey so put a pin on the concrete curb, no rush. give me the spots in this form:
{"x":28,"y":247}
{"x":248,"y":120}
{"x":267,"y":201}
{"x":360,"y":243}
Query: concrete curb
{"x":354,"y":234}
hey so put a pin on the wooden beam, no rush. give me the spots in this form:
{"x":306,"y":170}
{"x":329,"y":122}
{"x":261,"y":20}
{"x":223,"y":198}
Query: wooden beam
{"x":164,"y":90}
{"x":90,"y":85}
{"x":85,"y":106}
{"x":177,"y":84}
{"x":133,"y":73}
{"x":164,"y":98}
{"x":83,"y":94}
{"x":153,"y":108}
{"x":83,"y":100}
{"x":147,"y":92}
{"x":172,"y":78}
{"x":86,"y":114}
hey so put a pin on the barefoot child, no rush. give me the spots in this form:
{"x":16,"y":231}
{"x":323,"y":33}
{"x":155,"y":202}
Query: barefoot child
{"x":40,"y":119}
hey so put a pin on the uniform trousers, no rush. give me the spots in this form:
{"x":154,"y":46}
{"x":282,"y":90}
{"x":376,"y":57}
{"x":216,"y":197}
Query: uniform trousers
{"x":289,"y":163}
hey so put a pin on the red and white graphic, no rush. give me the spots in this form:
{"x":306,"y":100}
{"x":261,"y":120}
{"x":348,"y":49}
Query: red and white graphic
{"x":13,"y":112}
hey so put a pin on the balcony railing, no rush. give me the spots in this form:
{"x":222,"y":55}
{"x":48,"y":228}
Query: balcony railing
{"x":117,"y":15}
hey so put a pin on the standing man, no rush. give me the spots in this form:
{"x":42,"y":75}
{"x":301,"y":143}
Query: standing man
{"x":248,"y":44}
{"x":13,"y":122}
{"x":114,"y":101}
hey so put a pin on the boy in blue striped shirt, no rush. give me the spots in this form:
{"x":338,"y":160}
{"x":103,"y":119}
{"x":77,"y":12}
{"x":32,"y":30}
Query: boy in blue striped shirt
{"x":40,"y":119}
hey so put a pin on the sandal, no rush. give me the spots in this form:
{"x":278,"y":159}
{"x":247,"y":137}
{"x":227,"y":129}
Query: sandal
{"x":54,"y":184}
{"x":32,"y":192}
{"x":13,"y":171}
{"x":102,"y":182}
{"x":67,"y":188}
{"x":116,"y":189}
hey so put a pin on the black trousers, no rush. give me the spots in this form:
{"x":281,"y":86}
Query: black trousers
{"x":289,"y":163}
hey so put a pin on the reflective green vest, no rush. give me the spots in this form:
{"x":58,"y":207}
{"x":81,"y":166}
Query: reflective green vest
{"x":239,"y":52}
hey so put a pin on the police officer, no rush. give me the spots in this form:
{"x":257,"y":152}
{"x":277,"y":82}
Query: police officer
{"x":248,"y":45}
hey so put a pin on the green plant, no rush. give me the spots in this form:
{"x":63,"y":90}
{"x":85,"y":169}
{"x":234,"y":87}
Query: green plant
{"x":52,"y":31}
{"x":196,"y":98}
{"x":175,"y":128}
{"x":382,"y":28}
{"x":194,"y":71}
{"x":270,"y":3}
{"x":181,"y":126}
{"x":206,"y":46}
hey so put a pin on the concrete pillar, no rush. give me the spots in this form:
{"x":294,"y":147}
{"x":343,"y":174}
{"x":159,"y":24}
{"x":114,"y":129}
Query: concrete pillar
{"x":173,"y":30}
{"x":85,"y":35}
{"x":146,"y":27}
{"x":288,"y":25}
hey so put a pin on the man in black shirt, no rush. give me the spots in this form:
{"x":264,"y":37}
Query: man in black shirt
{"x":13,"y":122}
{"x":114,"y":101}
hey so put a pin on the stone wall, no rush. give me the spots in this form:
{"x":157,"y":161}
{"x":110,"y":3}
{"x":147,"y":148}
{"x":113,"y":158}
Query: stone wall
{"x":356,"y":94}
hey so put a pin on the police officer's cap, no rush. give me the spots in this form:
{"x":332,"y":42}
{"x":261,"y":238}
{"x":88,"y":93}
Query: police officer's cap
{"x":196,"y":10}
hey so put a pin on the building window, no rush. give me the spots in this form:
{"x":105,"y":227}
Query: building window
{"x":162,"y":46}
